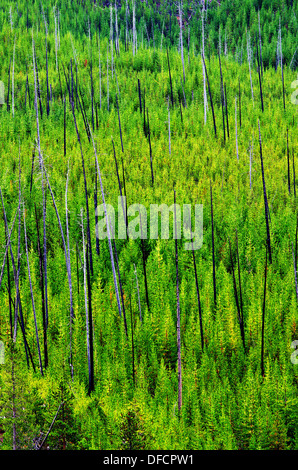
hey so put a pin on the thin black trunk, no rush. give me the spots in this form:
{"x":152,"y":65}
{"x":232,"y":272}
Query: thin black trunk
{"x":283,"y":86}
{"x":119,"y":185}
{"x":240,"y":319}
{"x":181,"y":111}
{"x":132,"y":343}
{"x":90,"y":319}
{"x":144,"y":112}
{"x":140,"y":97}
{"x":213,"y":249}
{"x":239,"y":278}
{"x":210,"y":96}
{"x":144,"y":264}
{"x":38,"y":87}
{"x":172,"y":97}
{"x":32,"y":299}
{"x":47,"y":72}
{"x":124,"y":189}
{"x":83,"y":112}
{"x":86,"y":194}
{"x":32,"y":169}
{"x":95,"y":209}
{"x":239,"y":105}
{"x":64,"y":126}
{"x":8,"y":87}
{"x":119,"y":122}
{"x":263,"y":319}
{"x":50,"y":428}
{"x":265,"y":200}
{"x":294,"y":175}
{"x":96,"y":115}
{"x":150,"y":149}
{"x":61,"y":92}
{"x":222,"y":99}
{"x":92,"y":89}
{"x":178,"y":314}
{"x":41,"y":274}
{"x":260,"y":79}
{"x":120,"y":288}
{"x":288,"y":160}
{"x":227,"y":114}
{"x":26,"y":91}
{"x":198,"y":297}
{"x":145,"y":273}
{"x":9,"y":297}
{"x":78,"y":276}
{"x":67,"y":84}
{"x":71,"y":75}
{"x":295,"y":272}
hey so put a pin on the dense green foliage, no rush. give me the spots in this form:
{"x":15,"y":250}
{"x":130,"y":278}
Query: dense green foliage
{"x":227,"y":403}
{"x":226,"y":22}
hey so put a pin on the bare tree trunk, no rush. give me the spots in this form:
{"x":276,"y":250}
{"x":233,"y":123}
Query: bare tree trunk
{"x":139,"y":301}
{"x":265,"y":198}
{"x":249,"y":59}
{"x":260,"y":43}
{"x":169,"y":127}
{"x":108,"y":228}
{"x":263,"y":319}
{"x":134,"y":28}
{"x":88,"y":331}
{"x":12,"y":83}
{"x":213,"y":249}
{"x":99,"y":69}
{"x":236,"y":132}
{"x":178,"y":314}
{"x":32,"y":298}
{"x":180,"y":12}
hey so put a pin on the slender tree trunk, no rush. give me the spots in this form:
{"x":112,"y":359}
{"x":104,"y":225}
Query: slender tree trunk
{"x":213,"y":249}
{"x":263,"y":319}
{"x":295,"y":272}
{"x":170,"y":77}
{"x":227,"y":114}
{"x":140,"y":97}
{"x":86,"y":194}
{"x":41,"y":275}
{"x":12,"y":82}
{"x":236,"y":131}
{"x":32,"y":298}
{"x":8,"y":88}
{"x":265,"y":199}
{"x":178,"y":315}
{"x":150,"y":149}
{"x":180,"y":12}
{"x":198,"y":297}
{"x":222,"y":99}
{"x":260,"y":43}
{"x":132,"y":343}
{"x":138,"y":291}
{"x":117,"y":103}
{"x":294,"y":176}
{"x":210,"y":96}
{"x":108,"y":229}
{"x":288,"y":161}
{"x":120,"y":288}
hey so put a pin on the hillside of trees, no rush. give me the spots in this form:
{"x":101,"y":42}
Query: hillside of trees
{"x":137,"y":343}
